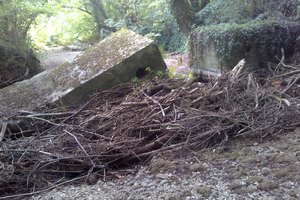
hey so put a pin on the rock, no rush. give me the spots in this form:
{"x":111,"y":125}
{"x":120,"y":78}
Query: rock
{"x":117,"y":59}
{"x":267,"y":185}
{"x":197,"y":167}
{"x":163,"y":176}
{"x":265,"y":171}
{"x":205,"y":191}
{"x":220,"y":47}
{"x":296,"y":193}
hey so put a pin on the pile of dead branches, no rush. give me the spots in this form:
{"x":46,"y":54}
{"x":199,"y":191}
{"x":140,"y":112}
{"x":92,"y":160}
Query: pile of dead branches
{"x":126,"y":125}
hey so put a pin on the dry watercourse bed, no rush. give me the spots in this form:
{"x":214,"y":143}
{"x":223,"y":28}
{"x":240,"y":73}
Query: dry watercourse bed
{"x":233,"y":137}
{"x":241,"y":169}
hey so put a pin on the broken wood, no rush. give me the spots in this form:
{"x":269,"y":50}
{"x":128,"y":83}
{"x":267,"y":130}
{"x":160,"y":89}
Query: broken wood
{"x":126,"y":125}
{"x":3,"y":131}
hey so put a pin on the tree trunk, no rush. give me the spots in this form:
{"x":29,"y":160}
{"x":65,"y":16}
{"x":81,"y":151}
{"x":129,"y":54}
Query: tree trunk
{"x":184,"y":15}
{"x":99,"y":15}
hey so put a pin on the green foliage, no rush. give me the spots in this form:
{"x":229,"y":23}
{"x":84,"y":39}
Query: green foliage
{"x":16,"y":18}
{"x":241,"y":11}
{"x":63,"y":29}
{"x":84,"y":21}
{"x":64,"y":22}
{"x":171,"y":72}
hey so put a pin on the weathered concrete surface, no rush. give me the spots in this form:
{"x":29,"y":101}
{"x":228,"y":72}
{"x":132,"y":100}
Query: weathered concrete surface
{"x":221,"y":47}
{"x":227,"y":31}
{"x":117,"y":59}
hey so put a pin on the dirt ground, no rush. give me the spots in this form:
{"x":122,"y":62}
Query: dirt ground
{"x":241,"y":169}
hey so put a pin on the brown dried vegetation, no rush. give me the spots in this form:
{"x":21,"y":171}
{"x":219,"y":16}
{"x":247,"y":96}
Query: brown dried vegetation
{"x":128,"y":124}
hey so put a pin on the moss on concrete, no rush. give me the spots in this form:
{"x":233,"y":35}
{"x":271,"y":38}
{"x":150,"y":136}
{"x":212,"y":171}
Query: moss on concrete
{"x":221,"y":46}
{"x":228,"y":30}
{"x":112,"y":61}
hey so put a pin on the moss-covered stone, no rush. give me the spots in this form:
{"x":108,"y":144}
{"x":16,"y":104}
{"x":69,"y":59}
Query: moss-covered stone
{"x":220,"y":47}
{"x":227,"y":31}
{"x":117,"y":59}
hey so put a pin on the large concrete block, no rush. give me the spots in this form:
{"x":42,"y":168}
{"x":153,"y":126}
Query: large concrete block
{"x":226,"y":31}
{"x":220,"y":47}
{"x":117,"y":59}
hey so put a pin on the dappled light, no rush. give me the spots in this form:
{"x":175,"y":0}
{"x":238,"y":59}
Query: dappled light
{"x":149,"y":99}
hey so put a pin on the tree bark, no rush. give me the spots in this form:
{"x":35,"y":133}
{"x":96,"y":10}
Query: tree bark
{"x":99,"y":15}
{"x":184,"y":15}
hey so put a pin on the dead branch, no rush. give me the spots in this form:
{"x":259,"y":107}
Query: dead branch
{"x":289,"y":86}
{"x":9,"y":82}
{"x":282,"y":61}
{"x":237,"y":70}
{"x":125,"y":126}
{"x":288,"y":74}
{"x":3,"y":131}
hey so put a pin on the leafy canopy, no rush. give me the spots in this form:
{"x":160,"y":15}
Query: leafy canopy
{"x":81,"y":21}
{"x":43,"y":23}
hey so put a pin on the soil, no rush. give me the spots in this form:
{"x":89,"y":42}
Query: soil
{"x":241,"y":169}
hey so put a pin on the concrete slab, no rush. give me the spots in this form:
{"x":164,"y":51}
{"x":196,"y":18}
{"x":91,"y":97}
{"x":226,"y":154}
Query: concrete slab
{"x":117,"y":59}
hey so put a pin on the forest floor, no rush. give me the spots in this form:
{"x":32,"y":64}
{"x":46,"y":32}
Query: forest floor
{"x":243,"y":169}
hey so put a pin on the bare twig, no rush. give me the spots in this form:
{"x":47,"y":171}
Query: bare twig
{"x":83,"y":149}
{"x":156,"y":102}
{"x":296,"y":79}
{"x":41,"y":119}
{"x":29,"y":150}
{"x":122,"y":126}
{"x":288,"y":74}
{"x":3,"y":131}
{"x":9,"y":82}
{"x":282,"y":61}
